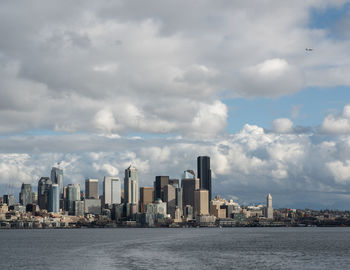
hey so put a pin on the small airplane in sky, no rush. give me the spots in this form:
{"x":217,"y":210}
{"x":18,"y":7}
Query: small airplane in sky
{"x":309,"y":49}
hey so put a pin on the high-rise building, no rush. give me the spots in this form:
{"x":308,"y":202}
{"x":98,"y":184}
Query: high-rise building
{"x":91,"y":189}
{"x":111,"y":190}
{"x":131,"y":186}
{"x":201,"y":202}
{"x":9,"y":199}
{"x":92,"y":206}
{"x":178,"y":200}
{"x":169,"y":198}
{"x":204,"y":174}
{"x":26,"y":194}
{"x":72,"y":195}
{"x":269,"y":209}
{"x":146,"y":196}
{"x":159,"y":184}
{"x":189,"y":185}
{"x":57,"y":178}
{"x":78,"y":208}
{"x":44,"y":186}
{"x":54,"y":198}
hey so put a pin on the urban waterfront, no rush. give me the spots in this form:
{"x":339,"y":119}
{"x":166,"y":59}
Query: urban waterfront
{"x":182,"y":248}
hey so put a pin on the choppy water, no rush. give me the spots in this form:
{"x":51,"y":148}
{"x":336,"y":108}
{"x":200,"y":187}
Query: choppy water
{"x":211,"y":248}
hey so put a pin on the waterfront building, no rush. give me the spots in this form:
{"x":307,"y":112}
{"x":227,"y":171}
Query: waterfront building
{"x":269,"y":209}
{"x":91,"y":189}
{"x":188,"y":212}
{"x":44,"y":186}
{"x":72,"y":195}
{"x":57,"y":178}
{"x":201,"y":202}
{"x":146,"y":196}
{"x":154,"y":212}
{"x":204,"y":174}
{"x":54,"y":198}
{"x":159,"y":184}
{"x":26,"y":194}
{"x":189,"y":185}
{"x":131,"y":183}
{"x":111,"y":190}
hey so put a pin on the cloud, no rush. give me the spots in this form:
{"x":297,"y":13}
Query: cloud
{"x":246,"y":164}
{"x":340,"y":170}
{"x":337,"y":124}
{"x":282,"y":125}
{"x":126,"y":68}
{"x":273,"y":77}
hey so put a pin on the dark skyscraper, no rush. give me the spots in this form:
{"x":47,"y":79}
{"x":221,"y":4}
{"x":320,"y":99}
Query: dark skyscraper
{"x":159,"y":184}
{"x":204,"y":173}
{"x":44,"y":187}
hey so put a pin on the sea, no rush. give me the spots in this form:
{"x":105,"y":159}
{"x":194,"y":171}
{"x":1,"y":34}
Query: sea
{"x":176,"y":248}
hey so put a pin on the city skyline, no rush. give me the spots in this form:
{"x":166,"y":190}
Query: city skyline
{"x":260,"y":87}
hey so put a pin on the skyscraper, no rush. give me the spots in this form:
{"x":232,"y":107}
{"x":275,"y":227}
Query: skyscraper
{"x":269,"y":209}
{"x":9,"y":199}
{"x":146,"y":196}
{"x":159,"y":184}
{"x":44,"y":186}
{"x":131,"y":186}
{"x":54,"y":198}
{"x":204,"y":174}
{"x":111,"y":190}
{"x":26,"y":194}
{"x":201,"y":202}
{"x":91,"y":189}
{"x":188,"y":185}
{"x":57,"y":178}
{"x":73,"y":195}
{"x":169,"y":198}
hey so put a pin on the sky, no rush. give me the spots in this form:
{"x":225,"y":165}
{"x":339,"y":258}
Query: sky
{"x":100,"y":85}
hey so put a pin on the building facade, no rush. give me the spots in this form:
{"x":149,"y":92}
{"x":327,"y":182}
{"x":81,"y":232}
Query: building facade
{"x":204,"y":174}
{"x":44,"y":186}
{"x":131,"y":186}
{"x":146,"y":196}
{"x":201,"y":206}
{"x":159,"y":185}
{"x":57,"y":178}
{"x":54,"y":198}
{"x":188,"y":186}
{"x":111,"y":190}
{"x":72,"y":195}
{"x":91,"y":189}
{"x":26,"y":194}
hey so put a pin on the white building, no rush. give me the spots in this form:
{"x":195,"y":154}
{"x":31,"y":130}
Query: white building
{"x":269,"y":209}
{"x":111,"y":190}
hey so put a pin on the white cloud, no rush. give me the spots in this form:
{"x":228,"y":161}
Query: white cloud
{"x":129,"y":68}
{"x":340,"y":170}
{"x":337,"y":124}
{"x":282,"y":125}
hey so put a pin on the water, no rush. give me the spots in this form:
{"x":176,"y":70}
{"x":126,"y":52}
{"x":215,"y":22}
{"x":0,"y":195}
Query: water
{"x":204,"y":248}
